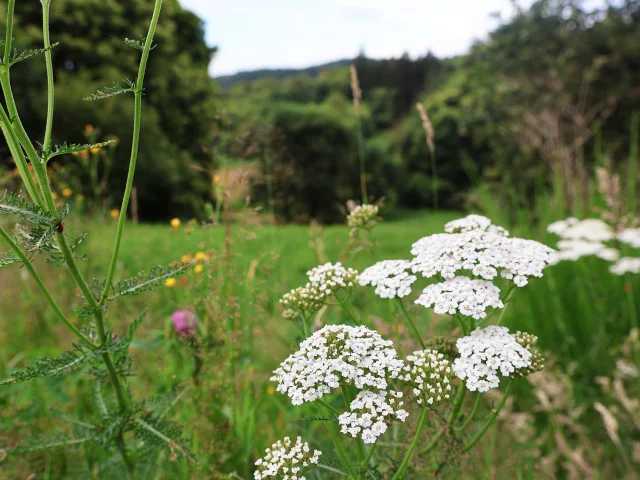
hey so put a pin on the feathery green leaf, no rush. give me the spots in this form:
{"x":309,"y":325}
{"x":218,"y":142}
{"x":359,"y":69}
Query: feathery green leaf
{"x":68,"y":362}
{"x":115,"y":89}
{"x":20,"y":56}
{"x":11,"y":203}
{"x":74,"y":148}
{"x":8,"y":258}
{"x":142,"y":282}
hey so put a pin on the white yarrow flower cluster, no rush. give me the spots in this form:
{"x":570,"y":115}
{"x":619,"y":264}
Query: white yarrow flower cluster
{"x":574,"y":249}
{"x":335,"y":354}
{"x":626,"y":265}
{"x":474,"y":222}
{"x":331,"y":278}
{"x":391,"y":278}
{"x":590,"y":229}
{"x":287,"y":460}
{"x":363,"y":216}
{"x":461,"y":294}
{"x":487,"y":352}
{"x":630,"y":236}
{"x":485,"y":254}
{"x":371,"y":413}
{"x":324,"y":281}
{"x":429,"y":373}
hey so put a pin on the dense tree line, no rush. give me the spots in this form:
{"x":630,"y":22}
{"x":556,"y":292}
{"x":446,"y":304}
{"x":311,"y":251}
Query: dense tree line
{"x":533,"y":103}
{"x":180,"y":100}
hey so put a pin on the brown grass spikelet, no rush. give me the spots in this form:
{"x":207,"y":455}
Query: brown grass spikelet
{"x":355,"y":89}
{"x":427,"y":125}
{"x":610,"y":422}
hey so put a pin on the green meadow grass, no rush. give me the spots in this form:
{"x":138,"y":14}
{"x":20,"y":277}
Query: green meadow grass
{"x":579,"y":311}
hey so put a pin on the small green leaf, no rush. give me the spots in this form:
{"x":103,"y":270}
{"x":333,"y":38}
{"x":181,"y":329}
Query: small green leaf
{"x":115,"y":89}
{"x":74,"y":148}
{"x":20,"y":56}
{"x":8,"y":258}
{"x":11,"y":203}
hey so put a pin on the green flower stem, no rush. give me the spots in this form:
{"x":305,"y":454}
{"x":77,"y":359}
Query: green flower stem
{"x":336,"y":442}
{"x":457,"y":405}
{"x":506,"y":301}
{"x":478,"y":435}
{"x":137,"y":118}
{"x":18,"y":156}
{"x":327,"y":406}
{"x":46,"y":144}
{"x":471,"y":415}
{"x":346,"y":308}
{"x":413,"y":325}
{"x":364,"y":464}
{"x":9,"y":35}
{"x":331,"y":469}
{"x":44,"y":289}
{"x":416,"y":438}
{"x":630,"y":300}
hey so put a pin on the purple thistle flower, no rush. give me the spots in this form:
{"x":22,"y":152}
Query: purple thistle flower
{"x":184,"y":323}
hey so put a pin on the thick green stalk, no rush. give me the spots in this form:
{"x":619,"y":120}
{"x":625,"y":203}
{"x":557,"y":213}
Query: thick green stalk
{"x":18,"y":156}
{"x":471,"y":415}
{"x":506,"y":301}
{"x":416,"y":438}
{"x":46,"y":144}
{"x":490,"y":421}
{"x":345,"y":307}
{"x":27,"y":264}
{"x":413,"y":325}
{"x":365,"y":464}
{"x":9,"y":34}
{"x":462,"y":390}
{"x":336,"y":443}
{"x":137,"y":118}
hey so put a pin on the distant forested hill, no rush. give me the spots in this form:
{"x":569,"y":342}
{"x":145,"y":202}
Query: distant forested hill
{"x":542,"y":99}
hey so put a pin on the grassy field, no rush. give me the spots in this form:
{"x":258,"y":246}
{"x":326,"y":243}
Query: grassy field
{"x":218,"y":388}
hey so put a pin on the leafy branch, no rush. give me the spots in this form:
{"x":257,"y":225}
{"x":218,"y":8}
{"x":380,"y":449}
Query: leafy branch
{"x":115,"y":89}
{"x":26,"y":54}
{"x":140,"y":283}
{"x":14,"y":204}
{"x":137,"y":44}
{"x":74,"y":148}
{"x":65,"y":364}
{"x":8,"y":258}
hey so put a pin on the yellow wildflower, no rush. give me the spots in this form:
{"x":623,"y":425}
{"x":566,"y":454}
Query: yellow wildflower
{"x":198,"y":269}
{"x":216,"y":179}
{"x":54,"y":195}
{"x":271,"y":390}
{"x":201,"y":256}
{"x":95,"y":150}
{"x":170,"y":283}
{"x":186,"y":258}
{"x":115,"y":213}
{"x":67,"y":192}
{"x":175,"y":223}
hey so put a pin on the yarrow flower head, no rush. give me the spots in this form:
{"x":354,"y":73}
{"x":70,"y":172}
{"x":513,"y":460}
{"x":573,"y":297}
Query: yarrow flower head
{"x":287,"y":460}
{"x":461,"y":295}
{"x":575,"y":249}
{"x":474,"y":222}
{"x":324,"y":281}
{"x":590,"y":229}
{"x":185,"y":323}
{"x":429,"y":373}
{"x":333,"y":355}
{"x":331,"y":278}
{"x":630,"y":236}
{"x":391,"y":278}
{"x":529,"y":341}
{"x":487,"y":352}
{"x":363,"y":216}
{"x":485,"y":254}
{"x":626,"y":265}
{"x":371,"y":413}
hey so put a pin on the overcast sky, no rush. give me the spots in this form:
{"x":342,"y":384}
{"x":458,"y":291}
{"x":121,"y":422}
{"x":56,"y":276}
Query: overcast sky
{"x":255,"y":34}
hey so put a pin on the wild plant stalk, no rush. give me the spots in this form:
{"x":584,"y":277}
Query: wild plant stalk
{"x":47,"y":224}
{"x":428,"y":130}
{"x":357,"y":98}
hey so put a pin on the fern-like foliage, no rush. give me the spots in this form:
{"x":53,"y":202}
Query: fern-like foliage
{"x":51,"y":442}
{"x":87,"y":311}
{"x":8,"y":258}
{"x":133,"y":327}
{"x":54,"y":254}
{"x":67,"y":148}
{"x":68,"y":362}
{"x":116,"y":89}
{"x":140,"y":283}
{"x":38,"y":237}
{"x":26,"y":54}
{"x":13,"y":204}
{"x":160,"y":434}
{"x":137,"y":44}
